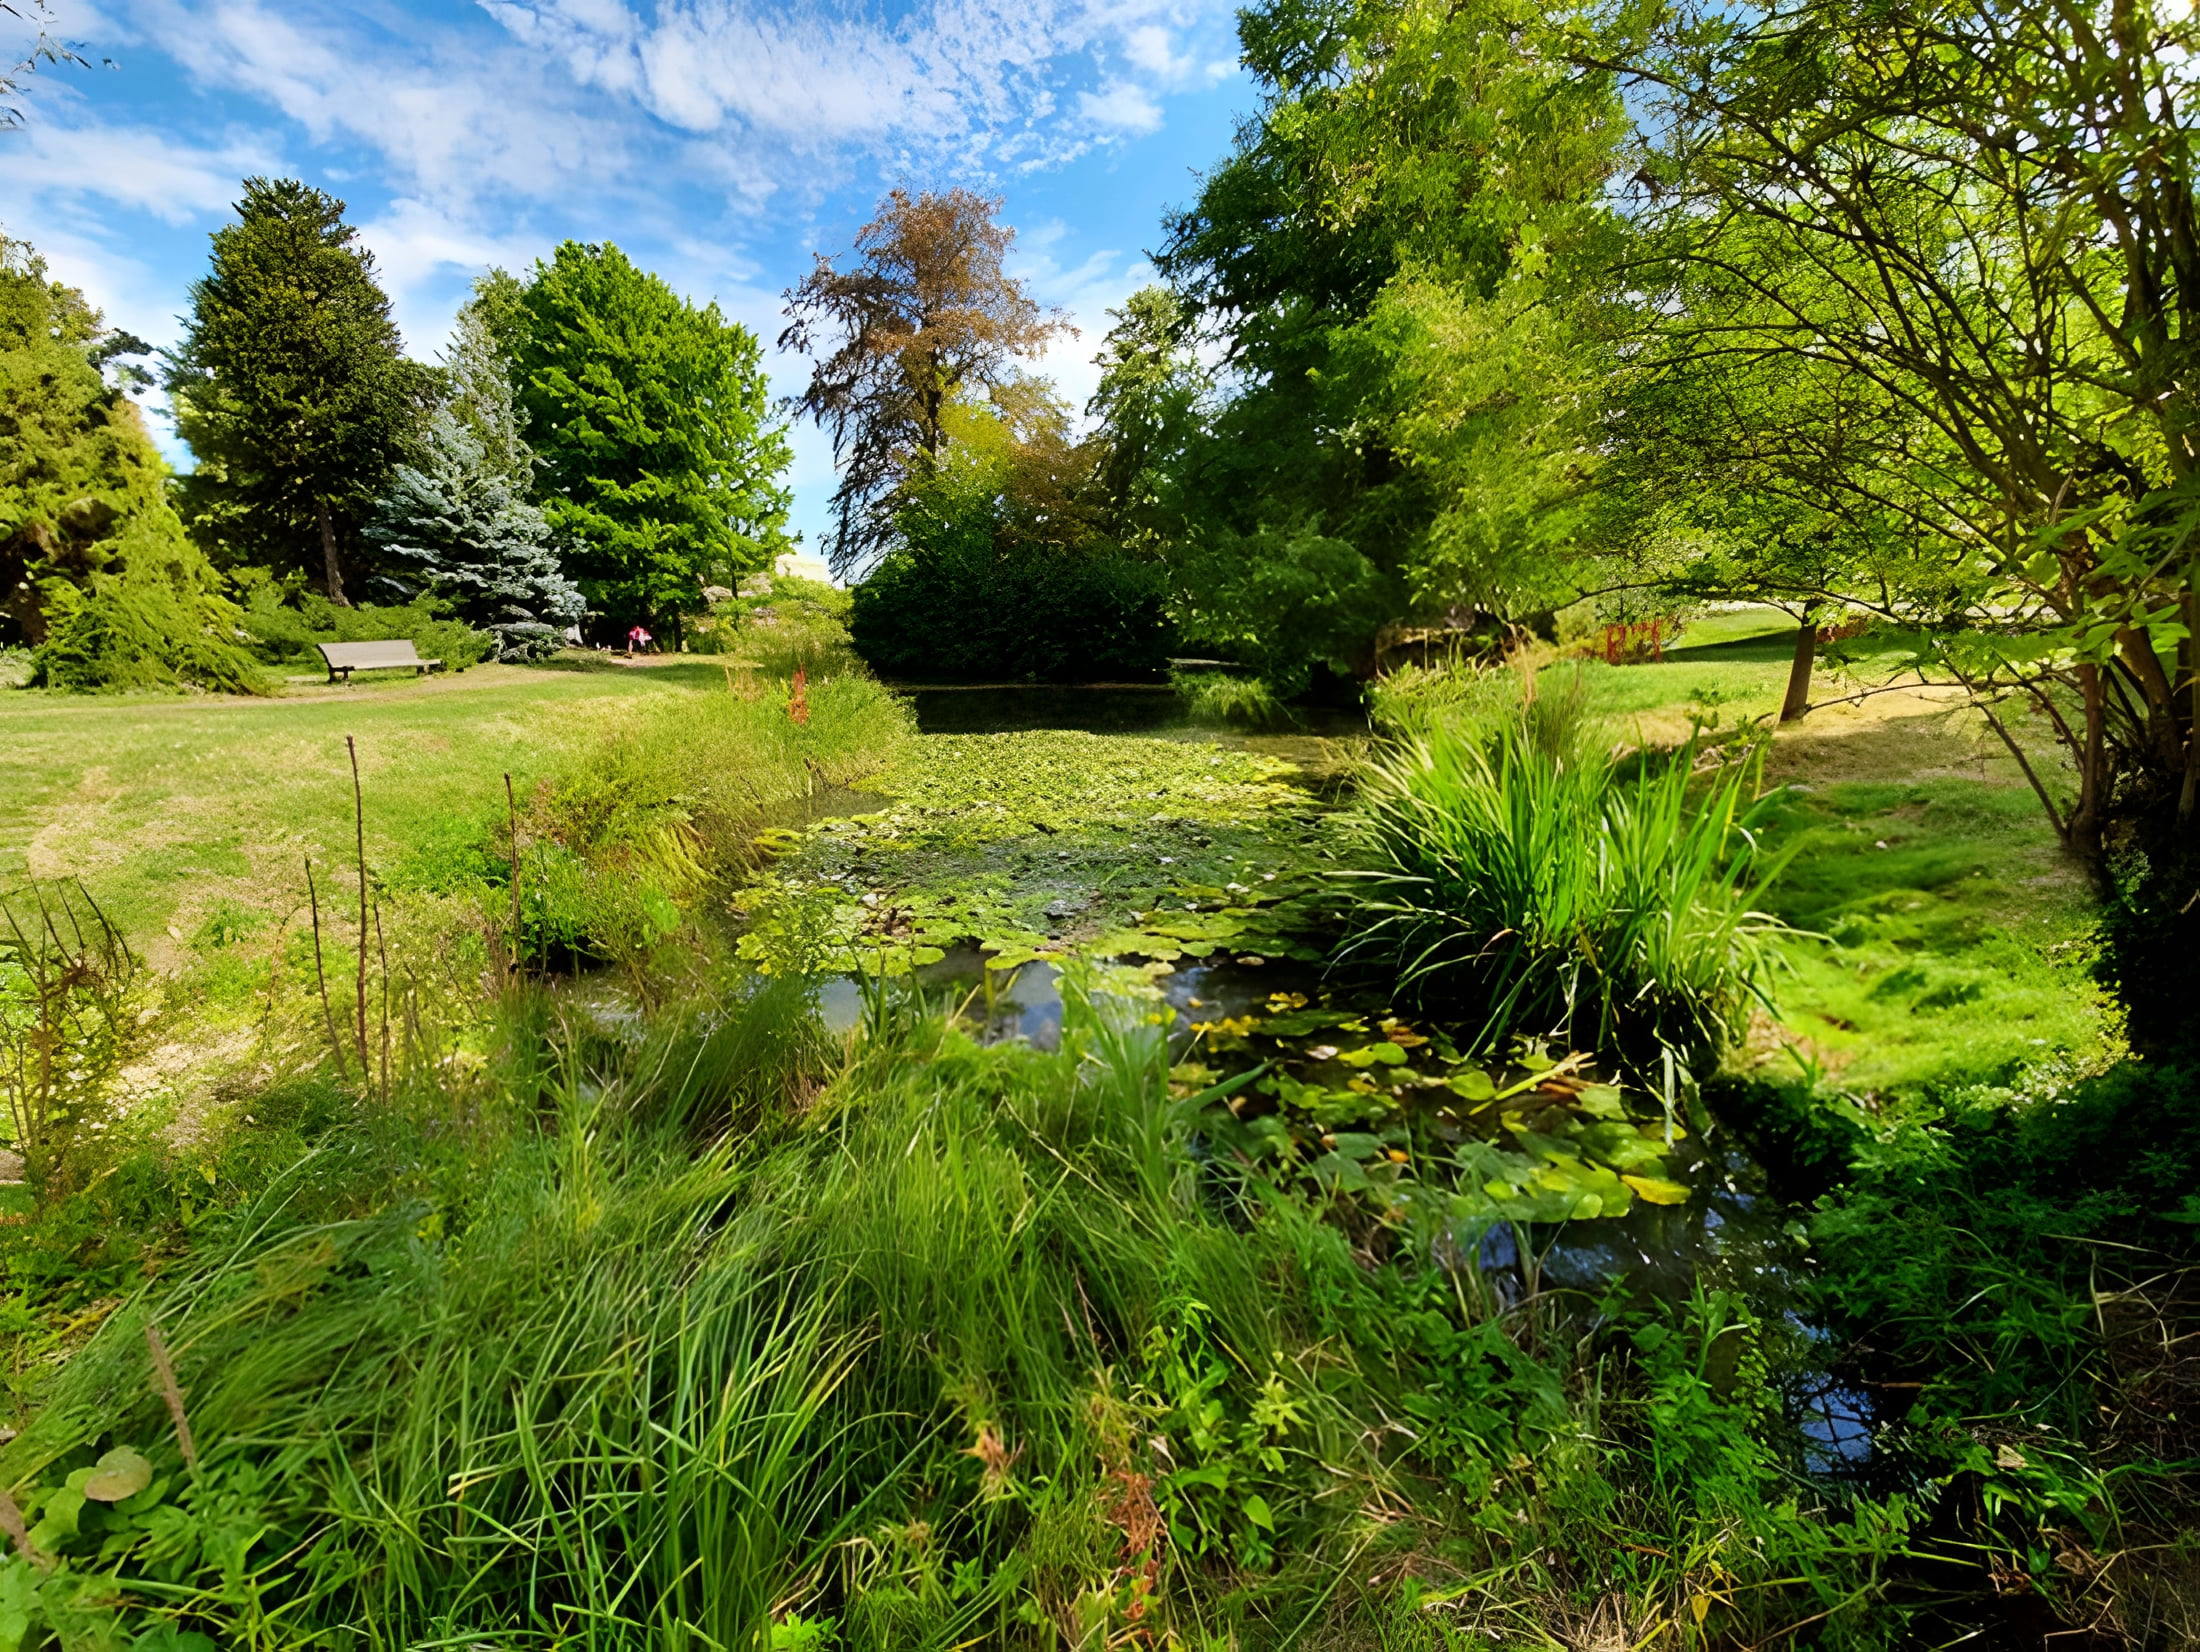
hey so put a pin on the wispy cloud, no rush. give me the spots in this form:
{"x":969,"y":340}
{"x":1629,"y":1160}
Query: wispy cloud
{"x":976,"y":83}
{"x":133,"y":167}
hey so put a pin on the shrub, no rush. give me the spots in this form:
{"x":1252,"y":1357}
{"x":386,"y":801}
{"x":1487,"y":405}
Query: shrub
{"x":1512,"y":868}
{"x":964,"y":607}
{"x":795,"y":624}
{"x":284,"y":627}
{"x":1414,"y":698}
{"x":1219,"y":696}
{"x":153,"y":618}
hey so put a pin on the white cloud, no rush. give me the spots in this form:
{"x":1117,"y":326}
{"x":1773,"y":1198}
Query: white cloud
{"x":1084,"y":292}
{"x":133,"y":167}
{"x":976,"y":83}
{"x":453,"y":122}
{"x":1122,"y":107}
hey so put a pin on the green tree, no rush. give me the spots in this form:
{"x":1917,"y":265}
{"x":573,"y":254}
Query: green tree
{"x":291,"y":385}
{"x":926,"y":316}
{"x":95,"y":571}
{"x":452,"y":525}
{"x":651,"y":417}
{"x":1147,"y":412}
{"x":1728,"y":477}
{"x":1001,"y":567}
{"x":1386,"y":259}
{"x":1986,"y":217}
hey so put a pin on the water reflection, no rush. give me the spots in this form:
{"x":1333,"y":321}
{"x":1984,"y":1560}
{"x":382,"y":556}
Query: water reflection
{"x":996,"y":1005}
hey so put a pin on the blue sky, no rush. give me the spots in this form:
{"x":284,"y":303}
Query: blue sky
{"x":721,"y":142}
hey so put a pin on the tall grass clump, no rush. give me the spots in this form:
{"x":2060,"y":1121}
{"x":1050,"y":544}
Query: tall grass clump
{"x":1414,"y":698}
{"x":614,"y":852}
{"x":1224,"y":697}
{"x":1533,"y":881}
{"x":731,"y":1336}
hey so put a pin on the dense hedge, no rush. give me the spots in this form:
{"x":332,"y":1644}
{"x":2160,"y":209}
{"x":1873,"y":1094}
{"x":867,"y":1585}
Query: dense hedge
{"x":283,"y":632}
{"x":971,"y":609}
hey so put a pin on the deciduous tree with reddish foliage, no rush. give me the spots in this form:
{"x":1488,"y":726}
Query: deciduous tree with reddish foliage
{"x":924,"y":313}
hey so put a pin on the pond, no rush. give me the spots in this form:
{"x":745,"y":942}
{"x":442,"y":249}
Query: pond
{"x":1731,"y":1233}
{"x":1156,"y":712}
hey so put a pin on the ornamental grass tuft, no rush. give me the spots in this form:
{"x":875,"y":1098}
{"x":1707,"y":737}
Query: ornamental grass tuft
{"x":1533,"y":881}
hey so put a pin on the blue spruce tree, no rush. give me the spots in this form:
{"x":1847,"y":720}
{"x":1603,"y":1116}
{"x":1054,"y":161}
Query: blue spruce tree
{"x":455,"y":524}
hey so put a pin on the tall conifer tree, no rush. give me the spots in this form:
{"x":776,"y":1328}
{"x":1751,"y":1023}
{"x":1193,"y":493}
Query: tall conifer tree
{"x":291,"y":385}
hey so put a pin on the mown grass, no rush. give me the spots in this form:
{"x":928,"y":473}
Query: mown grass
{"x":169,"y":807}
{"x":1957,"y":945}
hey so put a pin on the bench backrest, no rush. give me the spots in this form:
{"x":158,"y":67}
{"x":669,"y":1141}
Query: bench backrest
{"x":366,"y":656}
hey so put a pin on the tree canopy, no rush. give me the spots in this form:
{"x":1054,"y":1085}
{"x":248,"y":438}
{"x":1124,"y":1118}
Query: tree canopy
{"x":661,"y":463}
{"x":925,"y":314}
{"x":95,"y":571}
{"x":1382,"y":261}
{"x":291,"y":385}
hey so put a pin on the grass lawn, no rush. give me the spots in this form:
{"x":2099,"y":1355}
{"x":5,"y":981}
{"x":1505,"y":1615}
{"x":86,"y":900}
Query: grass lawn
{"x":171,"y":808}
{"x":1956,"y":935}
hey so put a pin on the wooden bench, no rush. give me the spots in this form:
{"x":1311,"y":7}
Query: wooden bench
{"x":346,"y":657}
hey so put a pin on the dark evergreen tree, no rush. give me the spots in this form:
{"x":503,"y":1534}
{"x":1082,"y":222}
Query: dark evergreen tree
{"x":452,"y":525}
{"x":291,"y":385}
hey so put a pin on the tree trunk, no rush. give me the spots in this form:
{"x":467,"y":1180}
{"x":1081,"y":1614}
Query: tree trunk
{"x":679,"y":636}
{"x":1806,"y":651}
{"x":332,"y":570}
{"x":2085,"y":829}
{"x":2188,"y":708}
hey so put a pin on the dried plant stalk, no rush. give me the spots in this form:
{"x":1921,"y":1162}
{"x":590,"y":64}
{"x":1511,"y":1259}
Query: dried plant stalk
{"x":165,"y":1370}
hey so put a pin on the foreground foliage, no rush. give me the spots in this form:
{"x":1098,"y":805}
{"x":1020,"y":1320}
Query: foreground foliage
{"x":644,"y":1310}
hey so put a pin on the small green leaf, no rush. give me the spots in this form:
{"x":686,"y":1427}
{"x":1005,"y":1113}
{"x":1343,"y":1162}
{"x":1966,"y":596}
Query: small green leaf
{"x":121,"y":1473}
{"x":1473,"y":1084}
{"x":1656,"y":1190}
{"x":1257,"y":1510}
{"x":1601,"y":1101}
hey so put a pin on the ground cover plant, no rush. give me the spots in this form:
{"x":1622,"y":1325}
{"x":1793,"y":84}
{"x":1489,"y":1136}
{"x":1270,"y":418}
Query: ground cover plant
{"x":1046,"y":844}
{"x":1514,"y":860}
